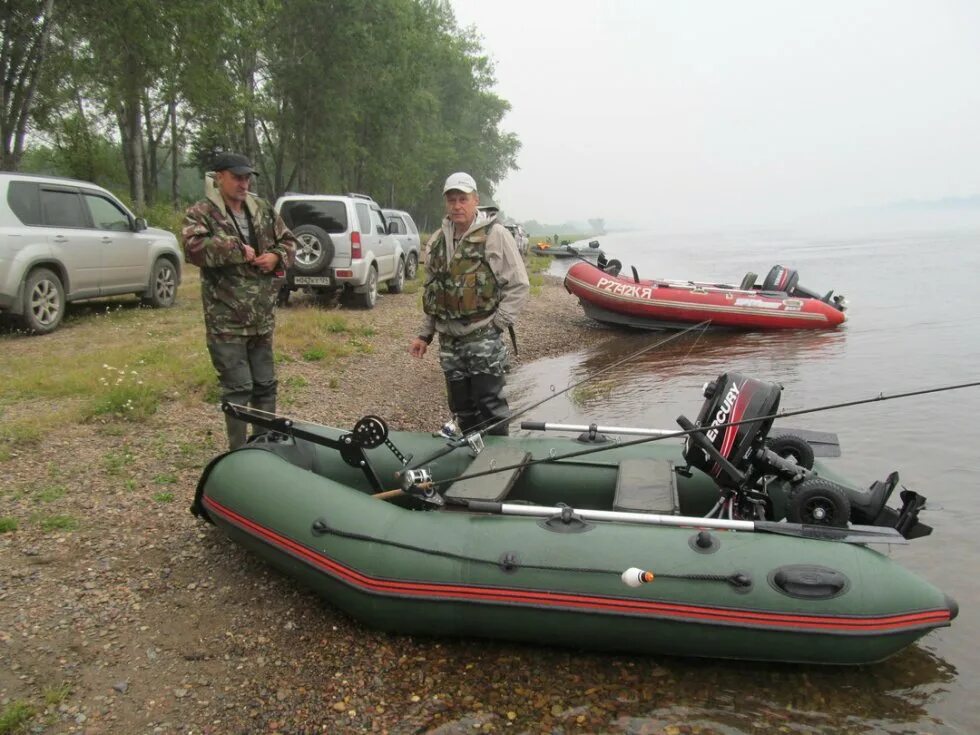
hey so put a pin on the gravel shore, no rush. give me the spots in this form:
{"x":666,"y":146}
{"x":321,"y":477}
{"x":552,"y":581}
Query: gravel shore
{"x":144,"y":619}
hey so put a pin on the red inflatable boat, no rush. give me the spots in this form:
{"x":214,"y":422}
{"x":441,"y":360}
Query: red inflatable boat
{"x":778,"y":303}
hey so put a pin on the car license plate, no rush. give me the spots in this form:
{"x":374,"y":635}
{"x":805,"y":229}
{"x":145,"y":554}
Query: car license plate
{"x":312,"y":280}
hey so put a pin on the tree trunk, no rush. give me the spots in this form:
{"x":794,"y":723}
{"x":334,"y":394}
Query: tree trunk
{"x":132,"y":138}
{"x":150,"y":172}
{"x":21,"y":56}
{"x":174,"y":156}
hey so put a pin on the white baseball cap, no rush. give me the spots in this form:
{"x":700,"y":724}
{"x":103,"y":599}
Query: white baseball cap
{"x":461,"y":182}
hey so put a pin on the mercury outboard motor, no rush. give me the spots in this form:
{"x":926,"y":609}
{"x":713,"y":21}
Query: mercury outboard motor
{"x":786,"y":280}
{"x":741,"y":458}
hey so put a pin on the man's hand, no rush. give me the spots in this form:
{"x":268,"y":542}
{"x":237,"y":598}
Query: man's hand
{"x":266,"y":262}
{"x":418,"y":347}
{"x":249,"y":252}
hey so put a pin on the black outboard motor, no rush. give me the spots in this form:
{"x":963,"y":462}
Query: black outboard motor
{"x":741,"y":458}
{"x":786,"y":280}
{"x":732,"y":397}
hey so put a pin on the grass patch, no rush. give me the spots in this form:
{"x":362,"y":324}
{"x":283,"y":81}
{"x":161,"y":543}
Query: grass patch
{"x":295,"y":381}
{"x":315,"y":354}
{"x":25,"y":432}
{"x":55,"y":695}
{"x":167,"y":478}
{"x":115,"y":462}
{"x":52,"y":493}
{"x":56,"y":522}
{"x":15,"y":716}
{"x":538,"y":263}
{"x":164,"y":497}
{"x":8,"y":524}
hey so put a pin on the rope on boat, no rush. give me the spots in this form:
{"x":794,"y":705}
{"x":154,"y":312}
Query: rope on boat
{"x":508,"y":562}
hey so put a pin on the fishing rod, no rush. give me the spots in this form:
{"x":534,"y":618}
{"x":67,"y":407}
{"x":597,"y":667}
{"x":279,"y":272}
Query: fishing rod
{"x":701,"y":429}
{"x":702,"y":326}
{"x":474,"y":439}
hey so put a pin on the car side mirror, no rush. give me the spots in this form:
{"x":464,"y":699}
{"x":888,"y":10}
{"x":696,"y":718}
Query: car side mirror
{"x":139,"y":224}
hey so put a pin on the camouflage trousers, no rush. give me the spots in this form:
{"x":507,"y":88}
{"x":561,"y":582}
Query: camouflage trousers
{"x":482,"y":352}
{"x":247,"y":375}
{"x":474,"y":366}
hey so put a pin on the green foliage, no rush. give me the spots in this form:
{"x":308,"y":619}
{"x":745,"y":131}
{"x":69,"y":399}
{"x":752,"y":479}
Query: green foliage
{"x":7,"y":525}
{"x":315,"y":354}
{"x":125,"y":395}
{"x":15,"y":716}
{"x":385,"y":97}
{"x":115,"y":462}
{"x":51,"y":493}
{"x":56,"y":522}
{"x":55,"y":695}
{"x":164,"y":497}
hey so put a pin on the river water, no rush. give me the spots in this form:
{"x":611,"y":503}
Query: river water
{"x":912,"y":324}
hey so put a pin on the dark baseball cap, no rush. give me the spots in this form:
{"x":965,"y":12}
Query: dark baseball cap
{"x":234,"y":162}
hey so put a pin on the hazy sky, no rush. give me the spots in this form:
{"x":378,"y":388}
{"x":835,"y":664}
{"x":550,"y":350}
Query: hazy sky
{"x":711,"y":112}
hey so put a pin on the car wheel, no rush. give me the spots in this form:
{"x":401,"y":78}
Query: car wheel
{"x":44,"y":301}
{"x":163,"y":285}
{"x":412,"y":266}
{"x":396,"y":284}
{"x":369,"y":297}
{"x":315,"y":249}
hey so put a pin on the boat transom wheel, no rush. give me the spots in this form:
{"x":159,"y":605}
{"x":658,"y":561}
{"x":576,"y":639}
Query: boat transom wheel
{"x":370,"y":432}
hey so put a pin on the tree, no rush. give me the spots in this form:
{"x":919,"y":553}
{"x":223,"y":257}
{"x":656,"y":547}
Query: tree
{"x":25,"y":26}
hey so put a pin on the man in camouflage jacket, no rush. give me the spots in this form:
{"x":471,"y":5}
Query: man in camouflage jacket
{"x":240,"y":244}
{"x":474,"y":289}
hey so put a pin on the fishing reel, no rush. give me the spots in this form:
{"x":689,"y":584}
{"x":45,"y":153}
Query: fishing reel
{"x":452,"y":433}
{"x":733,"y":447}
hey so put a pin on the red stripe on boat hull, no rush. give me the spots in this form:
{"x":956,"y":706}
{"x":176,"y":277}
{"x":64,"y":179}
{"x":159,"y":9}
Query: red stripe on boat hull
{"x":678,"y":612}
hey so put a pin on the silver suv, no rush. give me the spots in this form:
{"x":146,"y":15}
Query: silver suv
{"x":345,"y":244}
{"x":63,"y":240}
{"x":408,"y":235}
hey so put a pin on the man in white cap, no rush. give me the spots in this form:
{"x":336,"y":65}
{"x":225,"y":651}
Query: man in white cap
{"x":475,"y":286}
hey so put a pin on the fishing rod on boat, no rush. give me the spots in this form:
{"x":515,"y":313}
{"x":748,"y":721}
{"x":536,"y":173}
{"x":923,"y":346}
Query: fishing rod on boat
{"x":700,"y":326}
{"x":689,"y":429}
{"x":474,"y":438}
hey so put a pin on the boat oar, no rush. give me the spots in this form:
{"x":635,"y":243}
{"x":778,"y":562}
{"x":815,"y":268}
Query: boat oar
{"x":855,"y":534}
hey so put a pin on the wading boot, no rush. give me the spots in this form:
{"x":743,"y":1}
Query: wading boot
{"x":267,"y":406}
{"x":488,"y":392}
{"x":237,"y":432}
{"x":462,"y":405}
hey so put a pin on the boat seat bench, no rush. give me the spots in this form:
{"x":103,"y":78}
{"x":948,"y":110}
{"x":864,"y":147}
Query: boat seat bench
{"x":492,"y":488}
{"x":646,"y":486}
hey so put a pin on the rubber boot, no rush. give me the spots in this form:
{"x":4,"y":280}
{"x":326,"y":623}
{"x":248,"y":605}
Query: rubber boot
{"x":462,"y":405}
{"x":237,"y":432}
{"x":488,"y":391}
{"x":266,"y":404}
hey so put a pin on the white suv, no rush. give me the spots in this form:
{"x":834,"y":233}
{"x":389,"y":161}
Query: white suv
{"x":345,"y":243}
{"x":404,"y":228}
{"x":63,"y":240}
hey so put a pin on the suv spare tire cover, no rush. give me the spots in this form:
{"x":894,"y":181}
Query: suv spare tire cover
{"x":315,"y":250}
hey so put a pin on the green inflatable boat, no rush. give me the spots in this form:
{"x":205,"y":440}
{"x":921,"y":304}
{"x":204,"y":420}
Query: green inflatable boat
{"x":735,"y":545}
